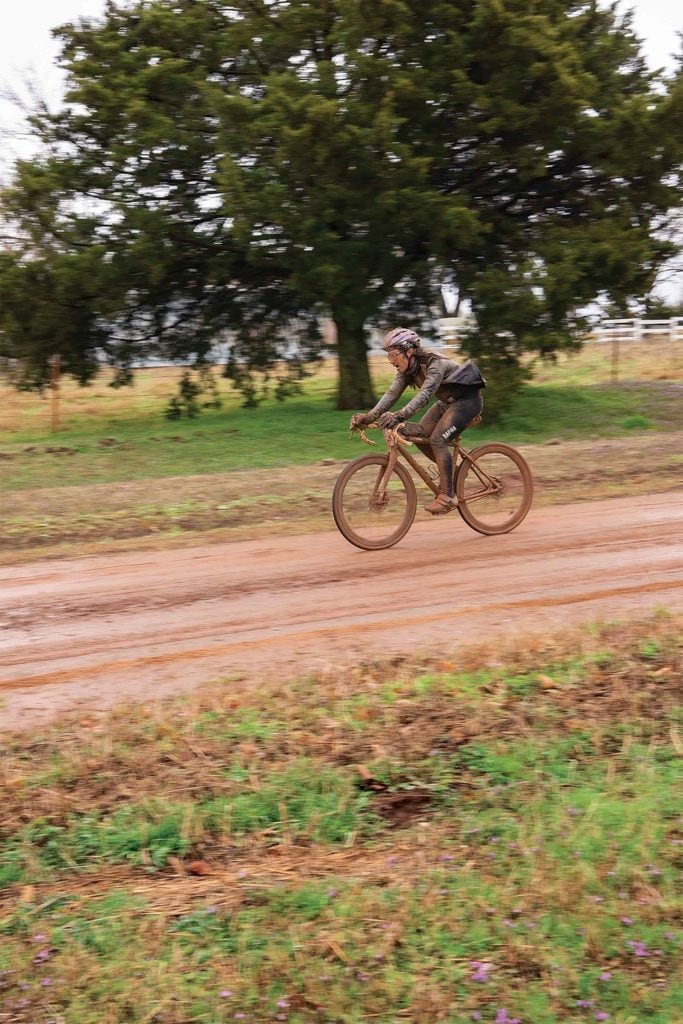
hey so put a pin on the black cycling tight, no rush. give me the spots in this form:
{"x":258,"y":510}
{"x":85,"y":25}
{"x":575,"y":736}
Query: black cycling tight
{"x":440,"y":425}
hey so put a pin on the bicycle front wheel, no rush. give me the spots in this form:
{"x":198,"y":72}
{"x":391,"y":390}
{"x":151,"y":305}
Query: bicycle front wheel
{"x":366,"y":518}
{"x":495,"y":488}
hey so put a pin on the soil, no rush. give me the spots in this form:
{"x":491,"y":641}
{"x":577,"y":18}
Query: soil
{"x":89,"y":632}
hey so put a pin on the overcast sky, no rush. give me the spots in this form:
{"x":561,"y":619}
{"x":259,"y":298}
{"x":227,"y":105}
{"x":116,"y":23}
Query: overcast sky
{"x":27,"y":50}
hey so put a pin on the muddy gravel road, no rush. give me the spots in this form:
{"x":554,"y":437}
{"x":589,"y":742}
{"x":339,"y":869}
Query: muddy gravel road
{"x":89,"y":632}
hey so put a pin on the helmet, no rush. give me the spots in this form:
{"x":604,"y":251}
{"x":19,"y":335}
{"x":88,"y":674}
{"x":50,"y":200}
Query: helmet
{"x":401,"y":338}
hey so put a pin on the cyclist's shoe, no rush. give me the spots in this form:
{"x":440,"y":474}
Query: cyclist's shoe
{"x":441,"y":505}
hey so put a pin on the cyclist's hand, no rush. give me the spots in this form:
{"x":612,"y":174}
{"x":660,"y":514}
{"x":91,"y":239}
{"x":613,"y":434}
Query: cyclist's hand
{"x":360,"y":420}
{"x":388,"y":420}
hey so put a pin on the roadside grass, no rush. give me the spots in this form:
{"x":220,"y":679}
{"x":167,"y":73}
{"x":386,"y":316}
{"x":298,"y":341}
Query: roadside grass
{"x":497,"y":840}
{"x":123,"y":436}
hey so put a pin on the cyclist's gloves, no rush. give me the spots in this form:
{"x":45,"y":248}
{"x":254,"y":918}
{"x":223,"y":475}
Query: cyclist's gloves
{"x":361,"y":420}
{"x":389,"y":420}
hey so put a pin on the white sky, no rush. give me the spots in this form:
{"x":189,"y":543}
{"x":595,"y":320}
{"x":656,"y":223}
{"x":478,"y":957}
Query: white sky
{"x":28,"y":52}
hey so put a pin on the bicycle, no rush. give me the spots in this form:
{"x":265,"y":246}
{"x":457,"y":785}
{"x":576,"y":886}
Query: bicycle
{"x":374,"y":500}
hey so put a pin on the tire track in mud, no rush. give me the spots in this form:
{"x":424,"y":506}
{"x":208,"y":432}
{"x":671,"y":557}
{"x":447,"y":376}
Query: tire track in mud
{"x":139,"y":626}
{"x":151,"y":660}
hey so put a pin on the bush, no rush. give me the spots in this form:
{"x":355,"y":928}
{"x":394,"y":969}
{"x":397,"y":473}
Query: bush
{"x":505,"y":377}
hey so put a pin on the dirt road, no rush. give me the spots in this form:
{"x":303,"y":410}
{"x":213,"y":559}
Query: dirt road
{"x":145,"y":624}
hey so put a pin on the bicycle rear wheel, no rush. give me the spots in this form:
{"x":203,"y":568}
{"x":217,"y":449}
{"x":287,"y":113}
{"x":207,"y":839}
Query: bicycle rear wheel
{"x":362,"y":516}
{"x":494,"y":488}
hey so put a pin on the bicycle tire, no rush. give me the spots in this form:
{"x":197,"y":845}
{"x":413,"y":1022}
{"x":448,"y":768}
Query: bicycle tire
{"x":502,"y":510}
{"x":357,"y":520}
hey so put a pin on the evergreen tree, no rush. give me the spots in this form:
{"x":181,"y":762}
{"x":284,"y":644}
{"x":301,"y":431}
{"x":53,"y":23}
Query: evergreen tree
{"x":251,"y":167}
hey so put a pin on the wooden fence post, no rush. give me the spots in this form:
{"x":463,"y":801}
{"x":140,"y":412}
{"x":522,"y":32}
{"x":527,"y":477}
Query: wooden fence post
{"x":614,"y":370}
{"x":55,"y":368}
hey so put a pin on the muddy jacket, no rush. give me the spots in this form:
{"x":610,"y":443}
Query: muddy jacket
{"x":436,"y":377}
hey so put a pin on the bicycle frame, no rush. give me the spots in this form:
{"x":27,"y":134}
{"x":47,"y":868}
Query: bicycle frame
{"x":397,"y":446}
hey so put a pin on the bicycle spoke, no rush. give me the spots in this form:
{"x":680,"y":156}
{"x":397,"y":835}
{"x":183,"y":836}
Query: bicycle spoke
{"x":367,"y":516}
{"x":494,"y":489}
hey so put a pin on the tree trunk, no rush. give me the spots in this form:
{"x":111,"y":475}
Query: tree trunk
{"x":354,"y":386}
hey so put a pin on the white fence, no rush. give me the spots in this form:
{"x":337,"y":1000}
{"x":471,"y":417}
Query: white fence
{"x":449,"y":331}
{"x":639,"y":330}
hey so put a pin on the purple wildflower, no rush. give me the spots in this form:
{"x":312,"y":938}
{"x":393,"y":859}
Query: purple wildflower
{"x":283,"y":1004}
{"x":627,"y":921}
{"x":601,"y":1015}
{"x":212,"y":910}
{"x":46,"y":982}
{"x":585,"y":1004}
{"x":475,"y":1015}
{"x":41,"y":956}
{"x":240,"y":1016}
{"x":639,"y":948}
{"x":502,"y":1017}
{"x":331,"y":893}
{"x":39,"y":938}
{"x":605,"y":976}
{"x":480,"y":970}
{"x":225,"y":994}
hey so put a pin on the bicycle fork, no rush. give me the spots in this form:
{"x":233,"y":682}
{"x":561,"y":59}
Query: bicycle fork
{"x":379,"y":494}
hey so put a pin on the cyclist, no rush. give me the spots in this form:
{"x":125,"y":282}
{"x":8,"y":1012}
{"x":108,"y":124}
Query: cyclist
{"x":457,"y":389}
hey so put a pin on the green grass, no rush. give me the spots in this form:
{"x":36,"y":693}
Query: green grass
{"x":538,"y":874}
{"x":303,"y":801}
{"x":139,"y":443}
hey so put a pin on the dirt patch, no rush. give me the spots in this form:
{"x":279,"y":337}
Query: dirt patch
{"x":99,"y":629}
{"x":402,"y":808}
{"x":177,"y":511}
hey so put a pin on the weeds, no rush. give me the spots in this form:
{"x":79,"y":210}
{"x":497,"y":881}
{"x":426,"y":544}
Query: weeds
{"x":236,"y":857}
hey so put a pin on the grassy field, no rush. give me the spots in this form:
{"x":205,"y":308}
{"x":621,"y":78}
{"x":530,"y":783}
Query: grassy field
{"x":495,"y":841}
{"x":118,"y":469}
{"x":109,"y":435}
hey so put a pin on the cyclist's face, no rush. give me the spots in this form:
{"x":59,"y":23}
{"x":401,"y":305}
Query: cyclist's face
{"x":399,"y":359}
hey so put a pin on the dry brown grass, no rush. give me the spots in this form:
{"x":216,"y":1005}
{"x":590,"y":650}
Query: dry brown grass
{"x":181,"y":747}
{"x":655,"y":360}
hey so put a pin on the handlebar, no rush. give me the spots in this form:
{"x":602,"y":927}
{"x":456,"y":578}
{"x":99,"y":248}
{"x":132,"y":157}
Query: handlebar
{"x":392,"y":436}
